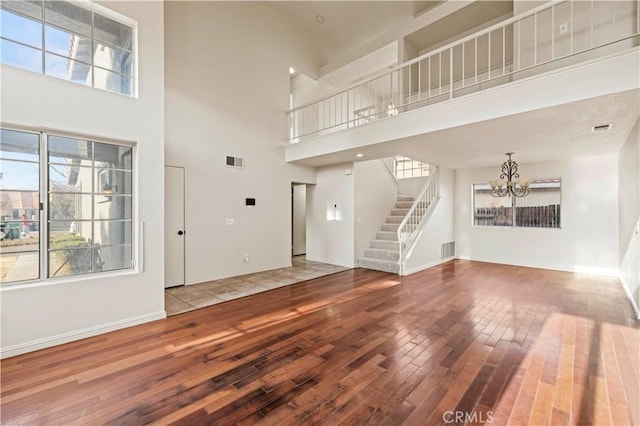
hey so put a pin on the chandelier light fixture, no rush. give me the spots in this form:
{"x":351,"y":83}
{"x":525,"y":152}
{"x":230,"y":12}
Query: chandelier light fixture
{"x":500,"y":188}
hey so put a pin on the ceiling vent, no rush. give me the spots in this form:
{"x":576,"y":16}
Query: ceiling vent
{"x":601,"y":128}
{"x":237,"y":162}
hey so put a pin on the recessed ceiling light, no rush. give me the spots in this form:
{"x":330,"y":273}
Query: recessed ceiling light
{"x":359,"y":155}
{"x":319,"y":19}
{"x":601,"y":128}
{"x":292,"y":70}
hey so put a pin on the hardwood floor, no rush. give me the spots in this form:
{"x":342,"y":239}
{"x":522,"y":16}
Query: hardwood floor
{"x":464,"y":342}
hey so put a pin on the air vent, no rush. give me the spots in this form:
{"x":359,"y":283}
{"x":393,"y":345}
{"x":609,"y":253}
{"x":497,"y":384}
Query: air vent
{"x":235,"y":162}
{"x":601,"y":128}
{"x":448,"y":250}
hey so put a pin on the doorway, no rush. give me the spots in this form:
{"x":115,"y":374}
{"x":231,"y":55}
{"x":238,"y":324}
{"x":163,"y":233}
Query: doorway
{"x":298,"y":219}
{"x":174,"y":230}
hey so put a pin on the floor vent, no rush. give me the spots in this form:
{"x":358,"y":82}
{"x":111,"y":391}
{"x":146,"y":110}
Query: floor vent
{"x":448,"y":250}
{"x":235,"y":162}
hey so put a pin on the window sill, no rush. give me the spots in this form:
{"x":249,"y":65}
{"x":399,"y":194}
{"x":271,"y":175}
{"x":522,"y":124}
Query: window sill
{"x":68,"y":279}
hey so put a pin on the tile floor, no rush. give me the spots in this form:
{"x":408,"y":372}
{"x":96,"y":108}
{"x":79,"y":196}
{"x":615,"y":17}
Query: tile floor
{"x":187,"y":298}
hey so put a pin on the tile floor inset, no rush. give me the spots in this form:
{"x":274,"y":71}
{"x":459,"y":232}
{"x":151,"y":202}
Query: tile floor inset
{"x":188,"y":298}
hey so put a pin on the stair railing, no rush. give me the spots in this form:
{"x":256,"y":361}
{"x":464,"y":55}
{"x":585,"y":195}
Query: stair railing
{"x":413,"y":222}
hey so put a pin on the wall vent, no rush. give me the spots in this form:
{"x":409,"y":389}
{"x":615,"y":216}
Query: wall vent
{"x":601,"y":128}
{"x":448,"y":250}
{"x":235,"y":162}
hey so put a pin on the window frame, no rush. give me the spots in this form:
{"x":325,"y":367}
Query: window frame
{"x":44,"y":244}
{"x":514,"y":206}
{"x":95,"y":9}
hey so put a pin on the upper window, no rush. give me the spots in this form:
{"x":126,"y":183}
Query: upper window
{"x":409,"y":168}
{"x":80,"y":222}
{"x":64,"y":40}
{"x":539,"y":209}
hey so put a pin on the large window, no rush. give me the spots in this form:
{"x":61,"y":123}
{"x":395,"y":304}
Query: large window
{"x":66,"y":206}
{"x":539,"y":209}
{"x":64,"y":40}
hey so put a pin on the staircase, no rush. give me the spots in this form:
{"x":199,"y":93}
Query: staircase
{"x":384,"y":251}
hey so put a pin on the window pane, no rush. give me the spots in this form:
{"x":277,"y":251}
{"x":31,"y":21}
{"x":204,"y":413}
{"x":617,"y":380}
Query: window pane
{"x":67,"y":44}
{"x":19,"y":28}
{"x":65,"y":178}
{"x":62,"y":149}
{"x":68,"y":16}
{"x":113,"y":257}
{"x":541,"y":208}
{"x":19,"y":145}
{"x":70,"y":261}
{"x":112,"y":156}
{"x":112,"y":232}
{"x":32,"y":8}
{"x":112,"y":58}
{"x":489,"y":210}
{"x":67,"y":69}
{"x":109,"y":182}
{"x":111,"y":81}
{"x":112,"y":206}
{"x":112,"y":32}
{"x":20,"y":265}
{"x":19,"y":175}
{"x":21,"y":56}
{"x":70,"y":206}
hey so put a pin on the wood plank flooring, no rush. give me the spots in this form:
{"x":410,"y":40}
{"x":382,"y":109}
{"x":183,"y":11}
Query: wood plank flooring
{"x":462,"y":343}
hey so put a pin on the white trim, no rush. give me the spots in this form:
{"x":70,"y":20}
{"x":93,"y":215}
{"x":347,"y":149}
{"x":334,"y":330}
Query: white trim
{"x":46,"y":342}
{"x":428,"y":265}
{"x":630,"y":296}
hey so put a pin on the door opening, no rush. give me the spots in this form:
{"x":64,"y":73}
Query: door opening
{"x":298,"y":219}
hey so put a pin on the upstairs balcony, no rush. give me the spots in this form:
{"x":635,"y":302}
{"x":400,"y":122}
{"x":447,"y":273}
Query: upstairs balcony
{"x":555,"y":36}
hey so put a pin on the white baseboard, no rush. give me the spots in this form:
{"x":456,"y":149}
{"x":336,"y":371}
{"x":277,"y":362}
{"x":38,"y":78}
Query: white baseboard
{"x":71,"y":336}
{"x":630,"y":296}
{"x":427,"y":266}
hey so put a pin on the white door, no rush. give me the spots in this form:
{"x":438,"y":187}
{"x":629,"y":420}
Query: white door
{"x":299,"y":219}
{"x":174,"y":232}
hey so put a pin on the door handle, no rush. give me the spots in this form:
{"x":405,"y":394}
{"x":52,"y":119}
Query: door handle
{"x":180,"y":232}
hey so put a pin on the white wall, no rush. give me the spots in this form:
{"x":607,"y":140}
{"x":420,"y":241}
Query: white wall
{"x":411,"y":186}
{"x":439,"y":228}
{"x":629,"y":215}
{"x":375,"y":194}
{"x":331,"y":241}
{"x":40,"y":315}
{"x":227,"y":90}
{"x":588,"y":239}
{"x":299,"y":227}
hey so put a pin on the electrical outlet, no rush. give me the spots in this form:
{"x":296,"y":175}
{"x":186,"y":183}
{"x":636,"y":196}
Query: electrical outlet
{"x":564,"y":28}
{"x":538,"y":252}
{"x":246,"y":258}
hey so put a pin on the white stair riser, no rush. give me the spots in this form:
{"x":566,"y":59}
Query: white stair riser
{"x":404,"y":198}
{"x":390,"y":227}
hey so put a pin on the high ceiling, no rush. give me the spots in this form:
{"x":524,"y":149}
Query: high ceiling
{"x":348,"y":25}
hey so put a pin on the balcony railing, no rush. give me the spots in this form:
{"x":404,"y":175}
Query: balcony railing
{"x":551,"y":36}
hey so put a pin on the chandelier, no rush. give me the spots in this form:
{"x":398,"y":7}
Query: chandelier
{"x":512,"y":186}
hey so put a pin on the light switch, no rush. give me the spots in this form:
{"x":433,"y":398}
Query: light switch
{"x":231,"y":221}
